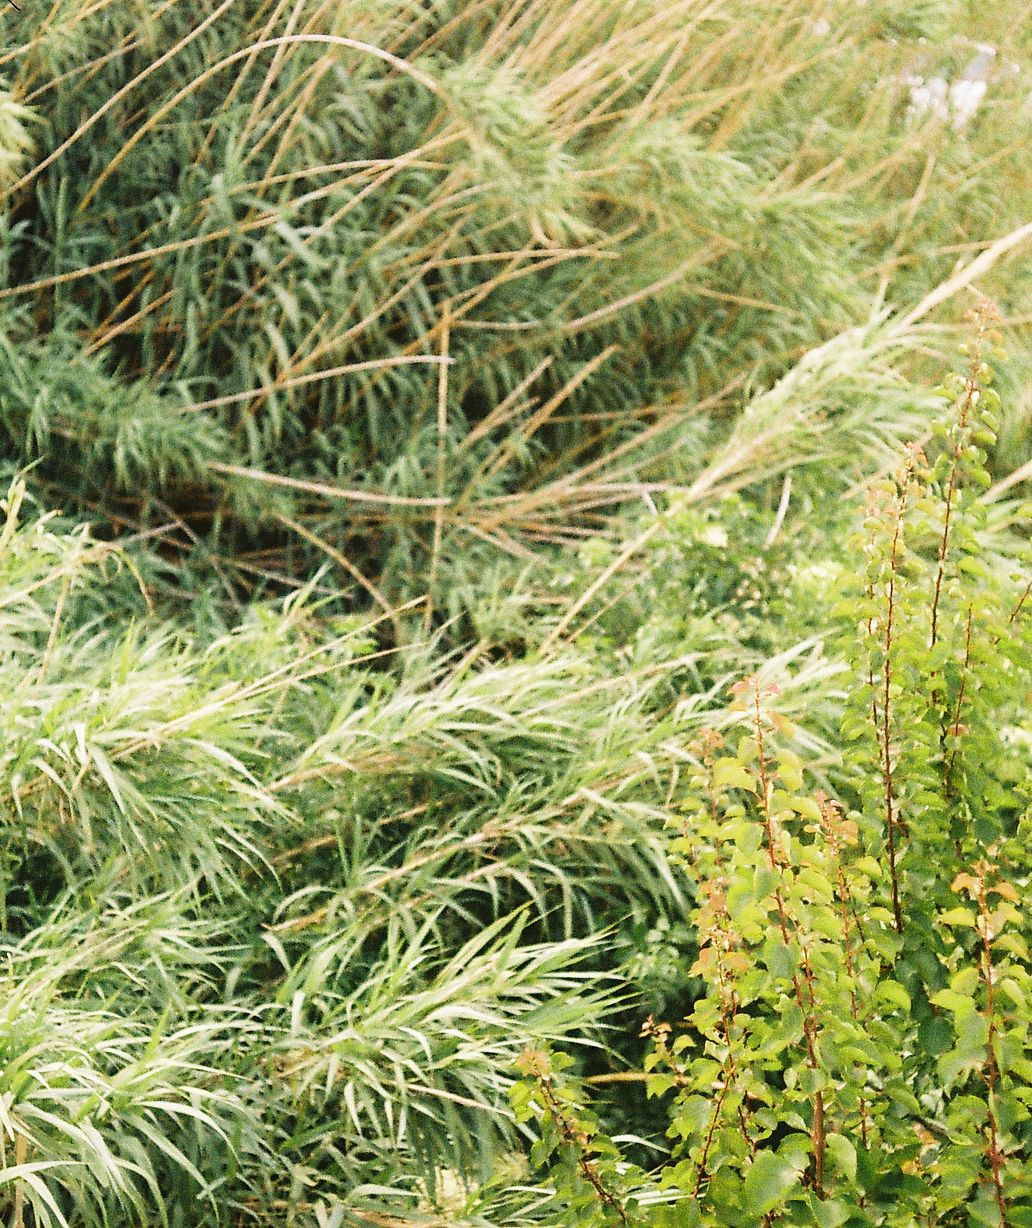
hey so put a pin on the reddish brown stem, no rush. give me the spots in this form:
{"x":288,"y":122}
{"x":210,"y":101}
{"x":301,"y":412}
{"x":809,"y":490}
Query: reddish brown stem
{"x":845,"y":912}
{"x":886,"y":717}
{"x":576,"y":1139}
{"x":728,"y":1005}
{"x":954,"y":728}
{"x":992,"y":1071}
{"x":1017,"y":609}
{"x":970,"y":388}
{"x":809,"y":1020}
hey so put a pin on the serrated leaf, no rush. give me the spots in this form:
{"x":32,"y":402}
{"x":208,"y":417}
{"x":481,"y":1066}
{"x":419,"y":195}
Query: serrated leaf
{"x":950,"y":1000}
{"x":893,"y":992}
{"x":957,"y":916}
{"x":730,"y":774}
{"x":768,"y":1182}
{"x":843,"y":1153}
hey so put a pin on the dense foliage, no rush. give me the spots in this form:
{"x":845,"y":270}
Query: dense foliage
{"x":858,"y":1051}
{"x":514,"y":607}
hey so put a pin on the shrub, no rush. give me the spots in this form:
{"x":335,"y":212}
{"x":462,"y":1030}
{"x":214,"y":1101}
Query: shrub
{"x":857,"y":1054}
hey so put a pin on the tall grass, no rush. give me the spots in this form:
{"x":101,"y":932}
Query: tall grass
{"x":459,"y":396}
{"x":452,"y":281}
{"x":277,"y":922}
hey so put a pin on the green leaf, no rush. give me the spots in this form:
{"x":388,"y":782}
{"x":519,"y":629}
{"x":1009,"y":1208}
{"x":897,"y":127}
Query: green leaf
{"x":894,"y":993}
{"x":957,"y":916}
{"x":828,"y":1212}
{"x":1014,"y":991}
{"x":806,"y":807}
{"x":843,"y":1153}
{"x":779,"y":958}
{"x":730,"y":774}
{"x":768,"y":1182}
{"x":952,"y":1001}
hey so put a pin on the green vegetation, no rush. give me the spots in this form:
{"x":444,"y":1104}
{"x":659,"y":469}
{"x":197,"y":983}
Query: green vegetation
{"x":514,"y":598}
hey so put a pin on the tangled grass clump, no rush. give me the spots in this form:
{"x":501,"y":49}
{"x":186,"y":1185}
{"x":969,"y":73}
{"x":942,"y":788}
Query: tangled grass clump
{"x":460,"y":762}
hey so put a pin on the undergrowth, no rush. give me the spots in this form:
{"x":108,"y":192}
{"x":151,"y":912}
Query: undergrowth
{"x":858,"y":1050}
{"x":417,"y":290}
{"x":514,"y":675}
